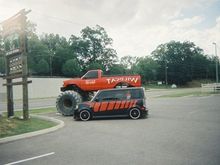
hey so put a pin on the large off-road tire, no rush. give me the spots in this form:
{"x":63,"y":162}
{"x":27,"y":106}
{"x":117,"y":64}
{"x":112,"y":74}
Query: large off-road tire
{"x":67,"y":101}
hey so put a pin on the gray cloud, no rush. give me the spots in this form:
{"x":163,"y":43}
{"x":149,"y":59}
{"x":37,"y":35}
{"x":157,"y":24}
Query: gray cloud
{"x":136,"y":26}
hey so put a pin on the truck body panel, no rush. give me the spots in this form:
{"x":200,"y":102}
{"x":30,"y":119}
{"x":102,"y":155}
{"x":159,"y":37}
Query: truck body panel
{"x":94,"y":80}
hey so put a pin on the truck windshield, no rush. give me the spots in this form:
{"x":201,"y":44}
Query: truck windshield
{"x":90,"y":75}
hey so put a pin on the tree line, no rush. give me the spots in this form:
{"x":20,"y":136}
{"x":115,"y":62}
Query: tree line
{"x":54,"y":55}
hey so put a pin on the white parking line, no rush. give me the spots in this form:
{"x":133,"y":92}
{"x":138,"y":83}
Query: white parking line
{"x":36,"y":157}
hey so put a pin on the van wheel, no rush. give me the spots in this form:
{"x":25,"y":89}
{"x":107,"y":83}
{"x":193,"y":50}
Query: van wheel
{"x":134,"y":113}
{"x":84,"y":115}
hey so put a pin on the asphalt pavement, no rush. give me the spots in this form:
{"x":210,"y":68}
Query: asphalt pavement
{"x":183,"y":130}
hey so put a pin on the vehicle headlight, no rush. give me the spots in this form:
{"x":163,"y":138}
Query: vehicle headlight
{"x":77,"y":106}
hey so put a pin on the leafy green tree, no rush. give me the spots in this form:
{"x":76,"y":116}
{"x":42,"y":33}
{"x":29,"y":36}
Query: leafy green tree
{"x":200,"y":64}
{"x":36,"y":52}
{"x":71,"y":68}
{"x":62,"y":55}
{"x":94,"y":45}
{"x":59,"y":51}
{"x":211,"y":71}
{"x":180,"y":59}
{"x":42,"y":67}
{"x":128,"y":61}
{"x":2,"y":54}
{"x":147,"y":68}
{"x":53,"y":42}
{"x":2,"y":64}
{"x":117,"y":69}
{"x":95,"y":65}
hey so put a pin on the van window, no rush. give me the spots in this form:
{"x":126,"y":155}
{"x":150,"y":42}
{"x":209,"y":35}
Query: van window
{"x":121,"y":95}
{"x":108,"y":95}
{"x":137,"y":94}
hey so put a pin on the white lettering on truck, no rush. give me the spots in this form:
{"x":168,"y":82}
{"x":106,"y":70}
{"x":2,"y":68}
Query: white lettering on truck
{"x":126,"y":79}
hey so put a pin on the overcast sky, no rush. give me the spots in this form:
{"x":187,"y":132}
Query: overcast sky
{"x":137,"y":27}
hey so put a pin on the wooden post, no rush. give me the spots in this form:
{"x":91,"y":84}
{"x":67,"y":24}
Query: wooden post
{"x":25,"y":99}
{"x":10,"y":103}
{"x":24,"y":69}
{"x":25,"y":86}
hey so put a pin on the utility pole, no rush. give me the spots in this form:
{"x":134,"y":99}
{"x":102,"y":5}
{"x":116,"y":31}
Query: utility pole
{"x":216,"y":64}
{"x":51,"y":66}
{"x":166,"y":73}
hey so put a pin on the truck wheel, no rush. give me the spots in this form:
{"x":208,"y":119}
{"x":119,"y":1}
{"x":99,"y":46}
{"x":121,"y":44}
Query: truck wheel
{"x":67,"y":101}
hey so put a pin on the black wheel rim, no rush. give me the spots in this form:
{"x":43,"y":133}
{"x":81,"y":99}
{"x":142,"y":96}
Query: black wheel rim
{"x":84,"y":115}
{"x":134,"y":113}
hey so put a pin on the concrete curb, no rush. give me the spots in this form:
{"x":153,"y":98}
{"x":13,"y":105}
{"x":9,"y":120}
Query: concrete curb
{"x":35,"y":133}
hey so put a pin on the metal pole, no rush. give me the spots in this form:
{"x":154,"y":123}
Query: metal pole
{"x":166,"y":73}
{"x":216,"y":64}
{"x":51,"y":72}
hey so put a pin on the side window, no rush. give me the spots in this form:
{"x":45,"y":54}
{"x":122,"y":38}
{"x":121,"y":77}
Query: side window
{"x":123,"y":95}
{"x":108,"y":96}
{"x":137,"y":94}
{"x":91,"y":75}
{"x":117,"y":95}
{"x":120,"y":95}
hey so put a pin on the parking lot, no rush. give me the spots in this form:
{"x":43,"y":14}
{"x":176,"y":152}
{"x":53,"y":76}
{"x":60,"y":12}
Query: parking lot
{"x":181,"y":130}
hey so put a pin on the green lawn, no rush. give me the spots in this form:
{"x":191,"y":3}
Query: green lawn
{"x":15,"y":126}
{"x":36,"y":111}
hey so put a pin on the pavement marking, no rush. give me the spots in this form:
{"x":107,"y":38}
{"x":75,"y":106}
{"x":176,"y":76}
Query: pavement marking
{"x":36,"y":157}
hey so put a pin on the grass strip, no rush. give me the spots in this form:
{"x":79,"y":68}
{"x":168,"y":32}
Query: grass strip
{"x":16,"y":126}
{"x":37,"y":111}
{"x":194,"y":94}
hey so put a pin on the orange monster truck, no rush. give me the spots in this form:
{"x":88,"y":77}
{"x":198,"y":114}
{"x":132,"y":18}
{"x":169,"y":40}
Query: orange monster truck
{"x":76,"y":90}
